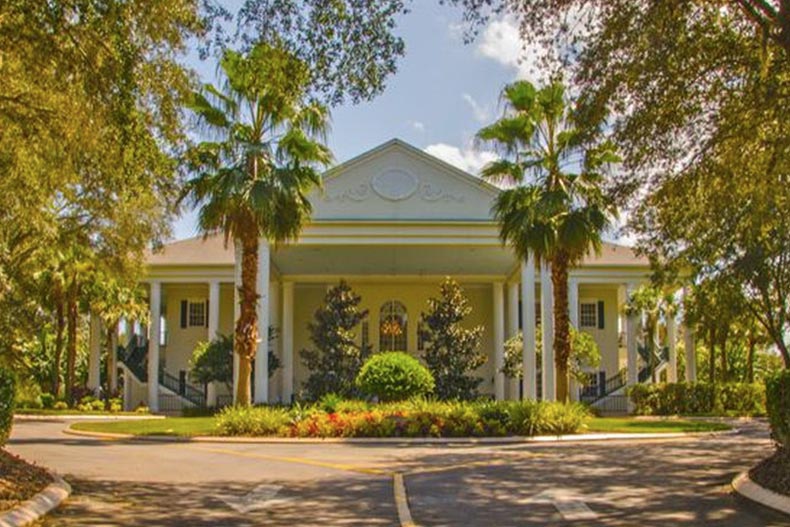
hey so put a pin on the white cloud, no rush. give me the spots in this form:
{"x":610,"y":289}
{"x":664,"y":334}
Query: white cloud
{"x":480,"y":112}
{"x":418,"y":125}
{"x":502,"y":42}
{"x":469,"y":159}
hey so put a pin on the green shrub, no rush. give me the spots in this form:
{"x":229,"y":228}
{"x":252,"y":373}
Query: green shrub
{"x":778,"y":405}
{"x":7,"y":400}
{"x":47,"y":400}
{"x":253,"y":421}
{"x":328,"y":402}
{"x":90,"y":403}
{"x":115,"y":405}
{"x":698,"y":398}
{"x":60,"y":405}
{"x":28,"y":395}
{"x":394,"y":376}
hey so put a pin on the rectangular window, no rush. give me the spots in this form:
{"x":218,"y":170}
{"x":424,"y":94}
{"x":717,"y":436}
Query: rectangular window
{"x":197,"y":314}
{"x":588,"y":315}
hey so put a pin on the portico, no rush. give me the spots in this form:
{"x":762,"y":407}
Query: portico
{"x":392,"y":223}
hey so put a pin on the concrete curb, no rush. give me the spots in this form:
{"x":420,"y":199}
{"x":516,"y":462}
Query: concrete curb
{"x":400,"y":440}
{"x":402,"y":501}
{"x":747,"y":488}
{"x":31,"y":510}
{"x":84,"y":417}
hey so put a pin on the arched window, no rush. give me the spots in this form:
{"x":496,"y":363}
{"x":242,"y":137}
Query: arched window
{"x":393,"y":327}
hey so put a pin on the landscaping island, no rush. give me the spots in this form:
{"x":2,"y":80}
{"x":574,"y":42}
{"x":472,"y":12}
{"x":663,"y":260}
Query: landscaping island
{"x":407,"y":419}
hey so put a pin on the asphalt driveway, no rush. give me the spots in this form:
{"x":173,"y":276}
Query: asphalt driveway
{"x":665,"y":482}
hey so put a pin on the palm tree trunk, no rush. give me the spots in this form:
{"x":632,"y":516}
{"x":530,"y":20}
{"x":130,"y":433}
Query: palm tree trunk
{"x":562,"y":338}
{"x":72,"y":316}
{"x":60,"y":327}
{"x":247,"y":326}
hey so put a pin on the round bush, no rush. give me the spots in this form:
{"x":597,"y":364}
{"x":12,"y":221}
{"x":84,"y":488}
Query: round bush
{"x":394,"y":376}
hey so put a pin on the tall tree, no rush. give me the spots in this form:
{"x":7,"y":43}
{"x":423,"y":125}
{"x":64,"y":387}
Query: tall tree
{"x":253,"y":182}
{"x":555,"y":208}
{"x":336,"y":356}
{"x":452,"y":351}
{"x":700,"y":93}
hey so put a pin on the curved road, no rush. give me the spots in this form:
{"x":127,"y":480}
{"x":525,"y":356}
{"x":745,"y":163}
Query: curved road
{"x":679,"y":482}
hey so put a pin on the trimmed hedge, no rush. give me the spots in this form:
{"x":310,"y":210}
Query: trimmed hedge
{"x":394,"y":376}
{"x":414,"y":418}
{"x":697,"y":398}
{"x":7,"y":403}
{"x":778,"y":403}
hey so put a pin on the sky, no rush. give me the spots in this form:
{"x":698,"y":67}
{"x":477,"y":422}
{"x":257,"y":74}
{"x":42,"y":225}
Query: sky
{"x":443,"y":93}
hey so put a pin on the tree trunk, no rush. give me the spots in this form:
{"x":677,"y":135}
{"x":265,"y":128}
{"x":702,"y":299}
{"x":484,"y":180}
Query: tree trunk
{"x":750,"y":358}
{"x":110,"y":363}
{"x":72,"y":316}
{"x":60,"y":327}
{"x":247,"y":326}
{"x":562,"y":338}
{"x":725,"y":368}
{"x":712,"y":356}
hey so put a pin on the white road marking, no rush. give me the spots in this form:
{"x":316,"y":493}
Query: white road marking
{"x":258,"y":498}
{"x":570,"y":506}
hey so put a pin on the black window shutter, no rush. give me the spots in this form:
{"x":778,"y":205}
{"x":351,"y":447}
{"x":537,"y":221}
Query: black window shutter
{"x":600,"y":315}
{"x":212,"y":336}
{"x":184,"y":307}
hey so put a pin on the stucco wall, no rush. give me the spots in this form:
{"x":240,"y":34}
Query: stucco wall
{"x":606,"y":337}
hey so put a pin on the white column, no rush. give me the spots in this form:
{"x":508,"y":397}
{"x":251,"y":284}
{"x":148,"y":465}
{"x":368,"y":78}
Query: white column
{"x":672,"y":370}
{"x":573,"y":302}
{"x":274,"y":321}
{"x":236,"y":311}
{"x":631,"y":322}
{"x":94,"y":354}
{"x":212,"y":333}
{"x":548,"y":369}
{"x":528,"y":326}
{"x":113,"y":361}
{"x":573,"y":315}
{"x":213,"y":309}
{"x":512,"y":329}
{"x":288,"y":341}
{"x":499,"y":340}
{"x":155,"y":308}
{"x":262,"y":353}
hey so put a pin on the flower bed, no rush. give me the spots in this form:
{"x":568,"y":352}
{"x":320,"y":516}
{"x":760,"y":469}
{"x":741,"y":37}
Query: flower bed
{"x":416,"y":418}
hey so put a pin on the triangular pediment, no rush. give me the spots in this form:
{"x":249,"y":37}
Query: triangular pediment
{"x":399,"y":182}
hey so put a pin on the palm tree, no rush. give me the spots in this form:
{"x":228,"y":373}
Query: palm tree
{"x":253,"y":181}
{"x":554,"y":207}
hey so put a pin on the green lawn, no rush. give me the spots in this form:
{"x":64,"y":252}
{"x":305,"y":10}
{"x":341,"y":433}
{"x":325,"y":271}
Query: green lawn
{"x":68,"y":411}
{"x":170,"y":426}
{"x":203,"y":426}
{"x":631,"y":425}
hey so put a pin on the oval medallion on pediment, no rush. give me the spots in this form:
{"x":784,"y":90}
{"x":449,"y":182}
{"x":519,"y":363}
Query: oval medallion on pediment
{"x":395,"y":184}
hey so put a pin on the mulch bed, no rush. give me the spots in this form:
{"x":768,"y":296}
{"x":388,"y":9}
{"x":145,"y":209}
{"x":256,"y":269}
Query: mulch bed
{"x":19,"y":480}
{"x":774,"y":473}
